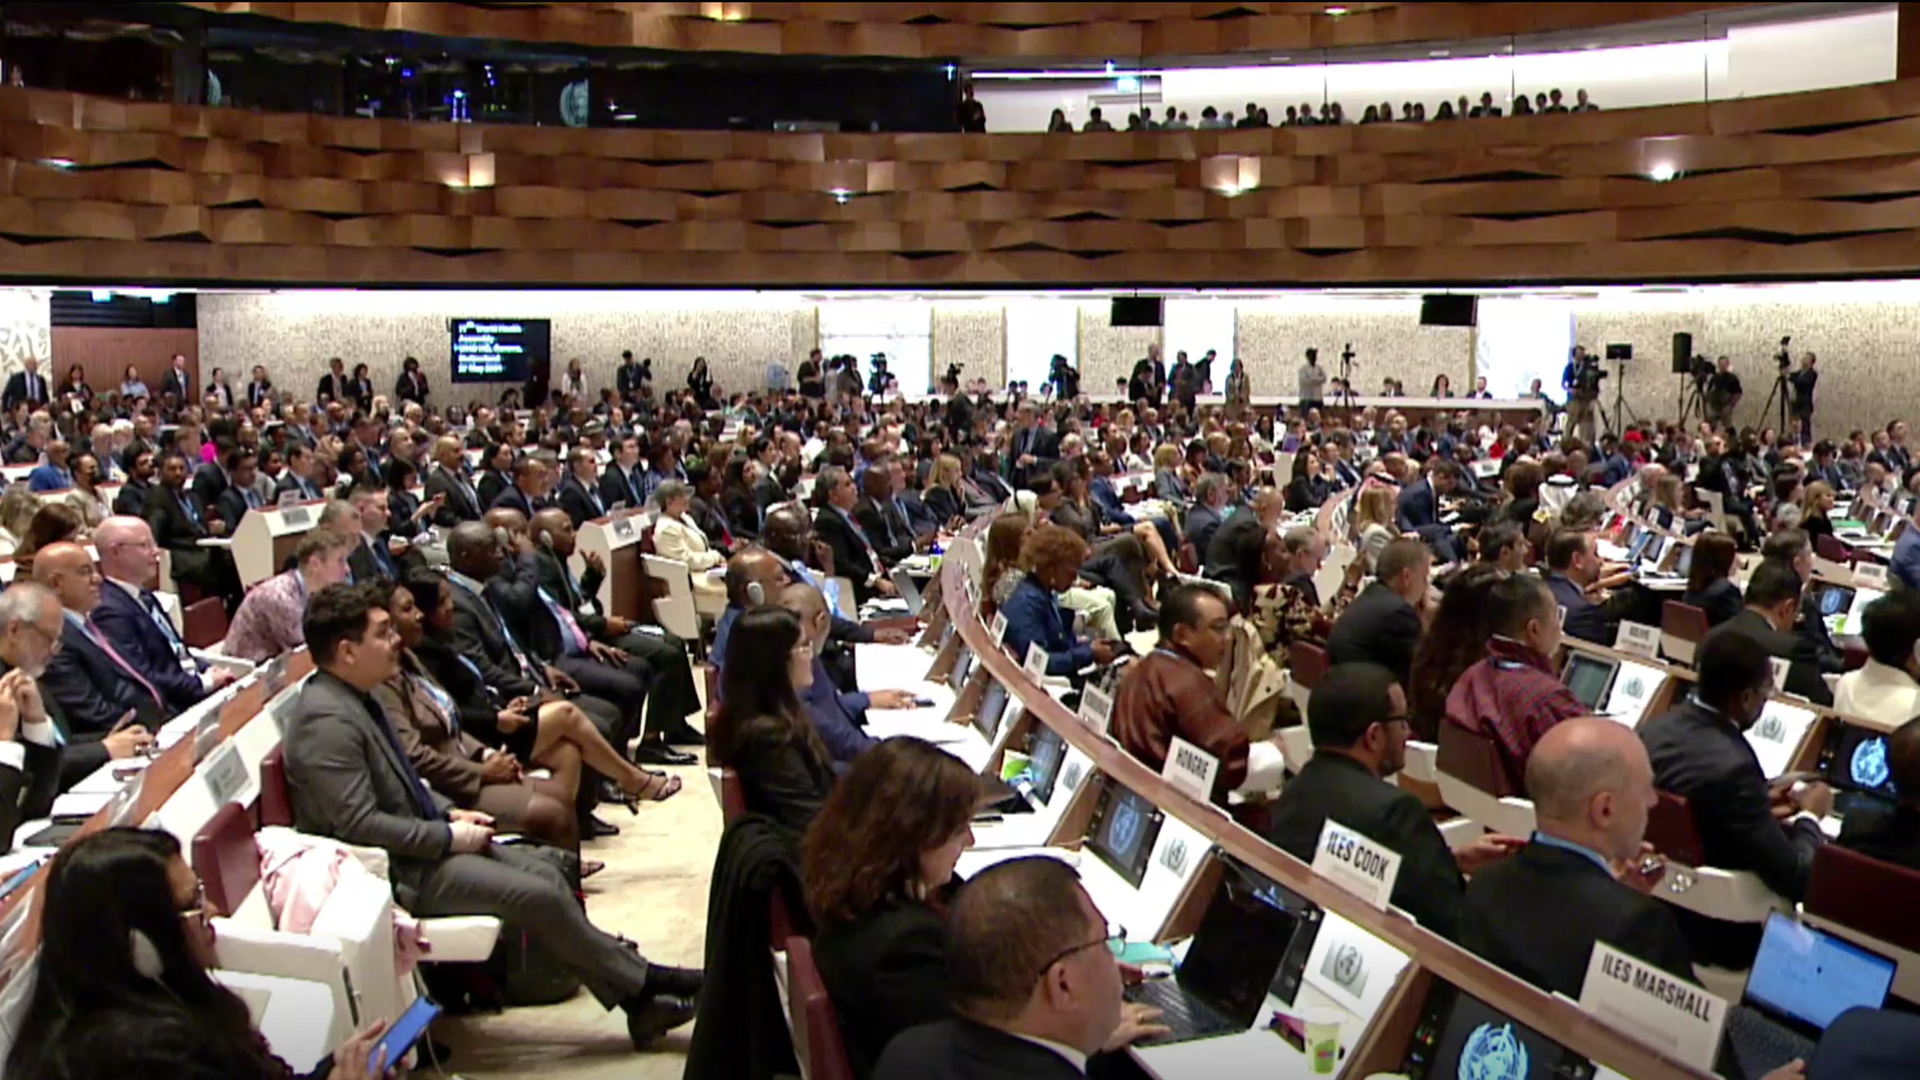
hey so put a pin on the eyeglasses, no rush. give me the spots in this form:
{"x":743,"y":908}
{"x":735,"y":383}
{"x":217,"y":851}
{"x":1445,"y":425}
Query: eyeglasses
{"x":197,"y":909}
{"x":1115,"y":940}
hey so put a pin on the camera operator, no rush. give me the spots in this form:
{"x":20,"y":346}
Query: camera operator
{"x":1064,"y":379}
{"x":1801,"y":383}
{"x":1581,"y":381}
{"x":1723,"y":394}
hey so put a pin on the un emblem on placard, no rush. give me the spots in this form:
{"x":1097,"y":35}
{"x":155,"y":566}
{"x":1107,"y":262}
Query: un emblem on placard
{"x":1345,"y":966}
{"x":1493,"y":1053}
{"x":1635,"y":688}
{"x":1771,"y":729}
{"x":1175,"y":857}
{"x":1071,"y":777}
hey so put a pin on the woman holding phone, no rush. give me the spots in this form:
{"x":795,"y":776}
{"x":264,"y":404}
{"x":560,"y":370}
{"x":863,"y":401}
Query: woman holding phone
{"x":122,"y":986}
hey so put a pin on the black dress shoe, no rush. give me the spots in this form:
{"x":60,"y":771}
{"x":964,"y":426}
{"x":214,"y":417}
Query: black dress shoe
{"x":655,"y":1016}
{"x":594,"y":828}
{"x":676,"y":981}
{"x":683,"y":735}
{"x":650,"y":753}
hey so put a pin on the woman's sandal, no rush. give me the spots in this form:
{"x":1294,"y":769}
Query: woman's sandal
{"x":659,"y":788}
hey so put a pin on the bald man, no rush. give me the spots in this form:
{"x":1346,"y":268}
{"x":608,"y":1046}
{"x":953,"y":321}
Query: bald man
{"x":448,"y":478}
{"x":95,"y":686}
{"x":1582,"y":879}
{"x":137,"y":625}
{"x":749,"y":568}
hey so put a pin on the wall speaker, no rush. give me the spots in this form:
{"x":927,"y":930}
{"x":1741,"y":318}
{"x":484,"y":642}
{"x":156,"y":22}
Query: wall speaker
{"x":1682,"y":352}
{"x":1135,"y":311}
{"x":1448,"y":309}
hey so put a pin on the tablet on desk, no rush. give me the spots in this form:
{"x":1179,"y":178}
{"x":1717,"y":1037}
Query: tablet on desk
{"x":1124,"y":831}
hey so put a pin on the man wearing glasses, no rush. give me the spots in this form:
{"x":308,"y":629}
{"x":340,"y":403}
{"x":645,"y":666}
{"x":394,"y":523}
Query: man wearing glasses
{"x":1357,"y":718}
{"x":1033,"y":982}
{"x":31,"y":625}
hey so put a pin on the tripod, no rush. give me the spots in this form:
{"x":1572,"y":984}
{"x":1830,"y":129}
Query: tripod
{"x":1344,"y":398}
{"x":1777,"y":395}
{"x":1616,"y":424}
{"x":1692,"y":400}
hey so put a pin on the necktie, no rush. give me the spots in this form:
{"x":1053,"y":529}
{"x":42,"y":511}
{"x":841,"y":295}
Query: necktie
{"x":576,"y":639}
{"x":418,"y":786}
{"x":253,"y":499}
{"x":380,"y":556}
{"x":93,"y":633}
{"x":159,"y":615}
{"x":192,"y":511}
{"x":527,"y":667}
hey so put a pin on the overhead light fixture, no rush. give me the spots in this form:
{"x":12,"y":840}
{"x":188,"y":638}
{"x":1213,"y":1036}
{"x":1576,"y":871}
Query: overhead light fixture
{"x":1662,"y":172}
{"x":1109,"y":67}
{"x":1439,"y":53}
{"x":1336,"y":12}
{"x":841,"y":195}
{"x":58,"y":162}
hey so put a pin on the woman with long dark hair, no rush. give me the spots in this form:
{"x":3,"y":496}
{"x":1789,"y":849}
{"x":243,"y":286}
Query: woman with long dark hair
{"x":878,"y":866}
{"x":761,"y":730}
{"x":1710,"y":584}
{"x":360,"y":388}
{"x":1456,"y":640}
{"x":121,"y":986}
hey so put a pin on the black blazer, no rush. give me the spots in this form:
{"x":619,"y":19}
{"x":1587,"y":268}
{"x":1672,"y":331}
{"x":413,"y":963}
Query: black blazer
{"x":1867,"y":1044}
{"x":849,"y":554}
{"x":410,"y":386}
{"x":578,"y":502}
{"x":617,"y":486}
{"x":289,"y":482}
{"x":27,"y":793}
{"x":889,"y":535}
{"x":231,"y":506}
{"x":1417,"y":506}
{"x":512,"y":498}
{"x":1721,"y":600}
{"x":783,"y":778}
{"x":478,"y":705}
{"x":1803,"y":667}
{"x":1336,"y":786}
{"x":1378,"y":627}
{"x":208,"y":482}
{"x":179,"y":384}
{"x":963,"y":1050}
{"x":744,"y":515}
{"x":944,"y":504}
{"x":1584,"y":618}
{"x":93,"y":691}
{"x":331,"y":387}
{"x":887,"y":973}
{"x":1202,"y":522}
{"x":490,"y":485}
{"x":476,"y":635}
{"x":769,"y":491}
{"x":463,"y":503}
{"x":16,"y":390}
{"x":1538,"y":914}
{"x":173,"y":528}
{"x":132,"y":498}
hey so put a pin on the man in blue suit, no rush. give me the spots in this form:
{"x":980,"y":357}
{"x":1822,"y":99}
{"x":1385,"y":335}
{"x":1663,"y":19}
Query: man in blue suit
{"x":839,"y":716}
{"x":95,"y":686}
{"x":1572,"y":565}
{"x":1418,"y":507}
{"x":52,"y":474}
{"x":135,"y":623}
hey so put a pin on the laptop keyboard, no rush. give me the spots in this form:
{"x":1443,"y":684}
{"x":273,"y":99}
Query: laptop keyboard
{"x":1186,"y":1017}
{"x":1761,"y":1044}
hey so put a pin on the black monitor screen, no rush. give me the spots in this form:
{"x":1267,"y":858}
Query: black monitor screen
{"x":1046,"y":753}
{"x":1237,"y":950}
{"x":1639,"y":545}
{"x":1835,"y":599}
{"x":992,"y":703}
{"x":498,"y":350}
{"x":1857,"y":760}
{"x":1683,"y":564}
{"x":1589,"y":677}
{"x":1463,"y":1038}
{"x":1124,"y":833}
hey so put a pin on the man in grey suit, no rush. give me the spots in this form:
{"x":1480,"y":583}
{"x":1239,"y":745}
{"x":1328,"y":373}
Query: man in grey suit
{"x":349,"y":779}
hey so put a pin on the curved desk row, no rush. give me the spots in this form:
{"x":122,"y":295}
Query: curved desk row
{"x":1378,"y":1042}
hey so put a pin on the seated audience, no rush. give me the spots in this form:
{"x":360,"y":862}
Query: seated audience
{"x":839,"y":716}
{"x":1573,"y":566}
{"x":878,"y":866}
{"x":854,"y":557}
{"x":1382,"y":625}
{"x":1453,"y":641}
{"x":1035,"y":613}
{"x":1211,"y":494}
{"x":1886,"y":690}
{"x":760,"y":730}
{"x":1515,"y":695}
{"x":1357,"y":718}
{"x":349,"y":779}
{"x":1772,"y":608}
{"x":97,"y":689}
{"x":1032,"y":981}
{"x":1710,"y":584}
{"x":677,"y":537}
{"x":268,"y":622}
{"x":1240,"y":544}
{"x":37,"y":760}
{"x":1700,"y":753}
{"x":123,"y":980}
{"x":1580,"y":879}
{"x":1289,"y":609}
{"x":1171,"y":693}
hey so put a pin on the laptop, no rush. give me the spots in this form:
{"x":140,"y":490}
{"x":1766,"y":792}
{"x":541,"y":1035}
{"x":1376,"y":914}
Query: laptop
{"x":1833,"y":600}
{"x":909,"y":592}
{"x":1802,"y":980}
{"x":1250,"y":934}
{"x":1590,"y":678}
{"x":1854,"y":762}
{"x":1124,"y":831}
{"x":1461,"y":1036}
{"x":1683,"y":564}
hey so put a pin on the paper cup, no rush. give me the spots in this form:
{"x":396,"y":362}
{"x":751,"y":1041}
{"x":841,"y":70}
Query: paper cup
{"x":1323,"y":1039}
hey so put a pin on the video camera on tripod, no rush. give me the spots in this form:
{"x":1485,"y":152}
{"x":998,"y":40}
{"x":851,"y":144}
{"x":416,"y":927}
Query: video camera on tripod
{"x":1783,"y":358}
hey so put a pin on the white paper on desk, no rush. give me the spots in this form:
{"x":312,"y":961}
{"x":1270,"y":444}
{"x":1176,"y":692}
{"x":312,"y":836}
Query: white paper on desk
{"x":81,"y":804}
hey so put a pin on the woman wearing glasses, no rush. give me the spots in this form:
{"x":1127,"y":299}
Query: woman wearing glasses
{"x":122,"y":987}
{"x":760,"y":730}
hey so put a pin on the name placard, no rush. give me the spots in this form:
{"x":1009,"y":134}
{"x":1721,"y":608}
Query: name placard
{"x":1357,"y":864}
{"x":206,"y":735}
{"x":226,"y":774}
{"x":1190,"y":769}
{"x":1780,"y":668}
{"x":998,"y":628}
{"x":1036,"y":661}
{"x":1638,"y":639}
{"x":1096,"y":710}
{"x":1667,"y":1013}
{"x":1872,"y":575}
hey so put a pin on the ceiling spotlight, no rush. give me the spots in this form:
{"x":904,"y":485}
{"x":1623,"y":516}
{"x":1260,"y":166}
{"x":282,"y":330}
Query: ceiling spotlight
{"x":1336,"y":11}
{"x":841,"y":195}
{"x":58,"y":162}
{"x":1662,"y":172}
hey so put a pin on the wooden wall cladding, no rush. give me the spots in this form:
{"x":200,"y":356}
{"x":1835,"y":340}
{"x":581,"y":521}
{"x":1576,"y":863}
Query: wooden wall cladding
{"x":975,"y":30}
{"x":1824,"y":183}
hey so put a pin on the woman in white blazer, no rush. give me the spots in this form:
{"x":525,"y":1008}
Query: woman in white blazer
{"x":676,"y":537}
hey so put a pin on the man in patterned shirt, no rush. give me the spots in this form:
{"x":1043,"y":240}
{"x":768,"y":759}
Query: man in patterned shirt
{"x":269,"y":620}
{"x":1514,"y":696}
{"x":1290,"y":610}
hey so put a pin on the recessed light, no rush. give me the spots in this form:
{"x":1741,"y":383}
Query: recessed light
{"x":1662,"y":172}
{"x":1336,"y":12}
{"x":1440,"y":52}
{"x":58,"y":162}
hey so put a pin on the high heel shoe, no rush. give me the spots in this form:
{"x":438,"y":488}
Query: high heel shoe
{"x":659,"y":787}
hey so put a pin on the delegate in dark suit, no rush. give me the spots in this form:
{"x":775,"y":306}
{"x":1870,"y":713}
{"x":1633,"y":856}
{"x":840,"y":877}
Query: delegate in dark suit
{"x":94,"y":692}
{"x":892,"y":540}
{"x":515,"y":592}
{"x":512,"y":498}
{"x":32,"y":776}
{"x":305,"y":490}
{"x":348,"y":779}
{"x":1701,"y":756}
{"x":1803,"y":672}
{"x":1336,"y":786}
{"x":964,"y":1050}
{"x":462,"y":502}
{"x":1867,"y":1044}
{"x":23,"y":387}
{"x":233,"y":504}
{"x":1721,"y":601}
{"x":1202,"y":523}
{"x":1538,"y":914}
{"x":1417,"y":507}
{"x":178,"y":520}
{"x":850,"y":551}
{"x":141,"y":642}
{"x":132,"y":499}
{"x":78,"y":757}
{"x":1378,"y":627}
{"x":1584,"y":618}
{"x":581,"y":503}
{"x":673,"y":696}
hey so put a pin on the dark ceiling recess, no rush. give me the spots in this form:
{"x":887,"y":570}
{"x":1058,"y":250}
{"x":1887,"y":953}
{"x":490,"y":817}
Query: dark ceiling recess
{"x":77,"y":307}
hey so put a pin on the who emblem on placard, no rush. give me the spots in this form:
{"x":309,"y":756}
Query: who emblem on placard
{"x":1494,"y":1052}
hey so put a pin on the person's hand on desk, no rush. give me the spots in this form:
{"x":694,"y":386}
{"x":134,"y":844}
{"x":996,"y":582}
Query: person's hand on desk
{"x":1484,"y":852}
{"x":892,"y":699}
{"x":884,"y":586}
{"x":127,"y":742}
{"x":1815,"y":798}
{"x":1104,"y":652}
{"x":1136,"y":1023}
{"x":219,"y":677}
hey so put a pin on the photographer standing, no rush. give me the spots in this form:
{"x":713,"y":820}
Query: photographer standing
{"x":1312,"y":380}
{"x":1581,"y":381}
{"x":1802,"y":384}
{"x":1723,"y":394}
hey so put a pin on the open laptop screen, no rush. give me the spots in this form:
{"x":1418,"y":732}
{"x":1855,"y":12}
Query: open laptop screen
{"x":1237,"y":950}
{"x":986,"y":719}
{"x":1806,"y":978}
{"x":1589,"y":677}
{"x":1044,"y":756}
{"x":1857,"y":761}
